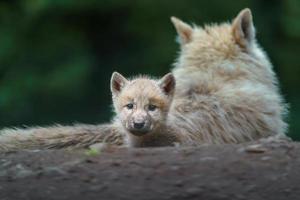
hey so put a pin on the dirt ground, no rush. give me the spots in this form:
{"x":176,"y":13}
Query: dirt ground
{"x":249,"y":171}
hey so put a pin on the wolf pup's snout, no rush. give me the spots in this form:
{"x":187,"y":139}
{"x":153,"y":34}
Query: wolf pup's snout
{"x":138,"y":125}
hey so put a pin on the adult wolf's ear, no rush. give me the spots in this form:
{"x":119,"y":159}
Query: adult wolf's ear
{"x":183,"y":29}
{"x":117,"y":83}
{"x":243,"y":29}
{"x":167,"y":84}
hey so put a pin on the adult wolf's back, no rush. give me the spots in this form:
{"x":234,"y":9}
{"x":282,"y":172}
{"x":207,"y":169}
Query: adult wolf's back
{"x":226,"y":89}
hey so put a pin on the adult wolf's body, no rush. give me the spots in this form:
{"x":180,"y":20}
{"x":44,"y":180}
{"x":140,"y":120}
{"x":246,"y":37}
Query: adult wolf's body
{"x":226,"y":89}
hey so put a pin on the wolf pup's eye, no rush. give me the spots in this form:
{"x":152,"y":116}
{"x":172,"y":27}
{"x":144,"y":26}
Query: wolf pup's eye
{"x":152,"y":107}
{"x":129,"y":106}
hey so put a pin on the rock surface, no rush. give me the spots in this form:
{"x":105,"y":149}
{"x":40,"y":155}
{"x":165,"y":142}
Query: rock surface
{"x":267,"y":170}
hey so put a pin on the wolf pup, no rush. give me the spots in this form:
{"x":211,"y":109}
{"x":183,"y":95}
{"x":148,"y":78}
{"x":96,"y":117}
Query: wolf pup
{"x":141,"y":106}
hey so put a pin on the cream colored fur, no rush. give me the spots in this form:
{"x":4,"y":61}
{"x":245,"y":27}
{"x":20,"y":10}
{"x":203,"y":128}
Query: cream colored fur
{"x":143,"y":92}
{"x":76,"y":136}
{"x":226,"y":92}
{"x":226,"y":89}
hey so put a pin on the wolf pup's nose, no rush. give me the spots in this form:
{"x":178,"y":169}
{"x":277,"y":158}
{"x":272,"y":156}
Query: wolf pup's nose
{"x":139,"y":125}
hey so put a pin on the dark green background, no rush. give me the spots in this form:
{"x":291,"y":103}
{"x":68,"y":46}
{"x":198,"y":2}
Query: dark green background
{"x":57,"y":56}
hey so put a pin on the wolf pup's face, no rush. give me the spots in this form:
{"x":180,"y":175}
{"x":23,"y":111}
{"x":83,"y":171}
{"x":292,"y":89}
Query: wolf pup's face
{"x":142,"y":104}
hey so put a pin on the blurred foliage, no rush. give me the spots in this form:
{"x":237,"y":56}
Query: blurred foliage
{"x":57,"y":56}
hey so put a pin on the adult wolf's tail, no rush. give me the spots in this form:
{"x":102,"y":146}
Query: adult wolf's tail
{"x":58,"y":136}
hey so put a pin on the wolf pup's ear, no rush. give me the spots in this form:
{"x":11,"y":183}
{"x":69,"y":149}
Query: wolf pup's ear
{"x":243,"y":29}
{"x":183,"y":29}
{"x":167,"y":84}
{"x":117,"y":83}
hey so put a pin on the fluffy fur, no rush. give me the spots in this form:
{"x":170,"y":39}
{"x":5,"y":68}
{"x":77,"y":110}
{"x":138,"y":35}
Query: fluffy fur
{"x":149,"y":101}
{"x":226,"y":89}
{"x":141,"y":91}
{"x":76,"y":136}
{"x":226,"y":92}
